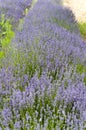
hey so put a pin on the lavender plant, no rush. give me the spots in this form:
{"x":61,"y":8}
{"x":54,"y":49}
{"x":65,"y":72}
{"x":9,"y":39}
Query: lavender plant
{"x":42,"y":79}
{"x":54,"y":46}
{"x":39,"y":105}
{"x":15,"y":10}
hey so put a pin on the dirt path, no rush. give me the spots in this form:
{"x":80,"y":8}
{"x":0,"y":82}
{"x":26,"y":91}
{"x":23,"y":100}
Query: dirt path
{"x":78,"y":7}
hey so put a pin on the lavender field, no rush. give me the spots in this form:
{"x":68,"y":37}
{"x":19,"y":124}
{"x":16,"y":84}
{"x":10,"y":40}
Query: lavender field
{"x":42,"y":67}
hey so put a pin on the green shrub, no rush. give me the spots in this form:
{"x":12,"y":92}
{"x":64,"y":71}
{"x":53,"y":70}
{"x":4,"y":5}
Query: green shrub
{"x":6,"y":35}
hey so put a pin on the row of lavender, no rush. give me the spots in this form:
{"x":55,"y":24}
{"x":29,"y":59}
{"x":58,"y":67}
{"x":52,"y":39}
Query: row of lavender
{"x":15,"y":10}
{"x":42,"y":88}
{"x":11,"y":14}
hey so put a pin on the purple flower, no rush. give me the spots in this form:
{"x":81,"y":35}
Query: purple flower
{"x":14,"y":9}
{"x":41,"y":86}
{"x":7,"y":116}
{"x":17,"y":125}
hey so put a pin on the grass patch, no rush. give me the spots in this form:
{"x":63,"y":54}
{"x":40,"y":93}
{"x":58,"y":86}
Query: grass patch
{"x":81,"y":68}
{"x":82,"y":28}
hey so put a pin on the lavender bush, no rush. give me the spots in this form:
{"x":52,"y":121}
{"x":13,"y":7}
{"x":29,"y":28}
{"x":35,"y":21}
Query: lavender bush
{"x":43,"y":76}
{"x":15,"y":10}
{"x":52,"y":47}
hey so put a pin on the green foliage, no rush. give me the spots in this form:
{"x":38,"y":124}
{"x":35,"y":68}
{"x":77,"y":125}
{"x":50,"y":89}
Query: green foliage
{"x":82,"y":28}
{"x":6,"y":34}
{"x":80,"y":69}
{"x":85,"y":80}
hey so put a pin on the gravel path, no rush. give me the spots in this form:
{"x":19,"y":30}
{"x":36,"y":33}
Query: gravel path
{"x":78,"y":7}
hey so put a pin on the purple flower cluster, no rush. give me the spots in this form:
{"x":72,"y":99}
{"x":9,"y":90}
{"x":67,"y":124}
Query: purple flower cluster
{"x":42,"y":102}
{"x":75,"y":94}
{"x":41,"y":88}
{"x":54,"y":46}
{"x":14,"y":9}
